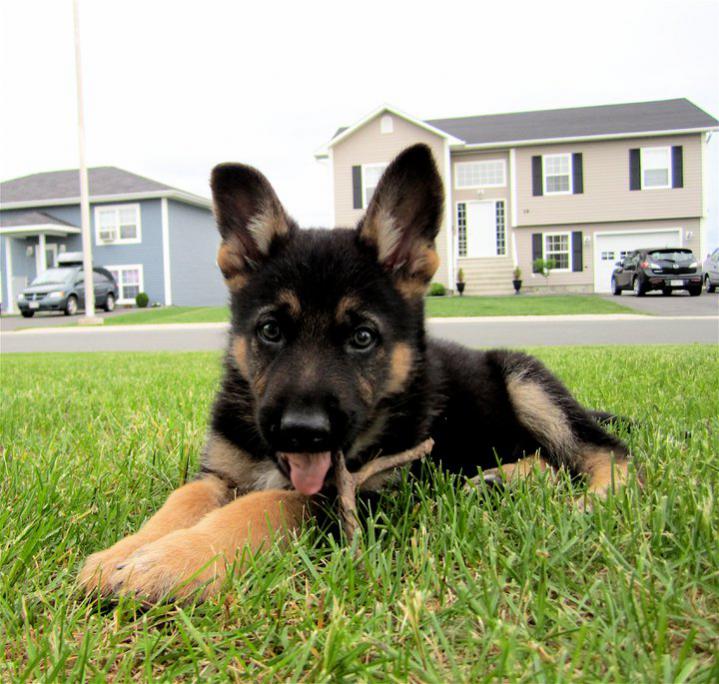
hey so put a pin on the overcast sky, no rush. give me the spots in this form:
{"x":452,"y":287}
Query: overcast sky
{"x":173,"y":87}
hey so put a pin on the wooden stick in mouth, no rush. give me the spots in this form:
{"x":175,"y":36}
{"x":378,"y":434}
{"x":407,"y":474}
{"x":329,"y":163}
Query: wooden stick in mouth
{"x":348,"y":483}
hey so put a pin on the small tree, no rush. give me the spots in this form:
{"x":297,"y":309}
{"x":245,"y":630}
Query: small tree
{"x":544,"y":266}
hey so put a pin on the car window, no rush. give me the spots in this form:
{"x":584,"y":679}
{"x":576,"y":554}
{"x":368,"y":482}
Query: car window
{"x":671,"y":255}
{"x":99,"y":278}
{"x":54,"y":276}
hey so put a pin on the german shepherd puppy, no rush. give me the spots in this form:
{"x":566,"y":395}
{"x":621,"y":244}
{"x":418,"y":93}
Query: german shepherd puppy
{"x":327,"y":351}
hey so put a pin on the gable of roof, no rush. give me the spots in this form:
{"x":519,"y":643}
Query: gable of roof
{"x":103,"y":181}
{"x":346,"y":131}
{"x":579,"y":122}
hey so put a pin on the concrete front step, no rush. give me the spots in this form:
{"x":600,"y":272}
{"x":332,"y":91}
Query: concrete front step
{"x":491,"y":276}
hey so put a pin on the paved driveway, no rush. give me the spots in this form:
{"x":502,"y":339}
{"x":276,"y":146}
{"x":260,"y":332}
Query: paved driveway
{"x":678,"y":304}
{"x":50,"y":319}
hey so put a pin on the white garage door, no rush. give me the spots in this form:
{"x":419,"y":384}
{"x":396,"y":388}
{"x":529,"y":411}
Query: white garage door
{"x":610,"y":248}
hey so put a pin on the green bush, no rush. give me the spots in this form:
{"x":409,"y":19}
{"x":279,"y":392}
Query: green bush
{"x":437,"y":290}
{"x":142,"y":300}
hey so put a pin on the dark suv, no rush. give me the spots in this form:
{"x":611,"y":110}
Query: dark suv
{"x":665,"y":269}
{"x":62,"y":288}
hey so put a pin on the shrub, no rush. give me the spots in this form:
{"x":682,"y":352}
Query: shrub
{"x":142,"y":300}
{"x":437,"y":290}
{"x":544,"y":266}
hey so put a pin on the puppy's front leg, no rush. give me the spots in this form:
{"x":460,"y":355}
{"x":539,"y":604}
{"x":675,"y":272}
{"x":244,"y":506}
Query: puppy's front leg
{"x":183,"y":508}
{"x":183,"y":561}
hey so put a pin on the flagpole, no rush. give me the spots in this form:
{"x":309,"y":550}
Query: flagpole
{"x":89,"y":318}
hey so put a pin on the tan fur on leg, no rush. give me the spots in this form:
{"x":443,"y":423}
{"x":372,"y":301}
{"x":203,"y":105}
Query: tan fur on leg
{"x":183,"y":561}
{"x":606,"y":472}
{"x":183,"y":508}
{"x":512,"y":472}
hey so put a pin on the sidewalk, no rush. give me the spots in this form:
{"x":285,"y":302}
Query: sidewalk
{"x":510,"y":331}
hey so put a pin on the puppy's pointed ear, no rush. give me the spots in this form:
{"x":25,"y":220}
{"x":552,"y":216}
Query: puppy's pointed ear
{"x":249,"y":217}
{"x":403,"y":218}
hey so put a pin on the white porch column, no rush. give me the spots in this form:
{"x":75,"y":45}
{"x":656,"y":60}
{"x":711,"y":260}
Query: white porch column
{"x":41,"y":254}
{"x":8,"y":276}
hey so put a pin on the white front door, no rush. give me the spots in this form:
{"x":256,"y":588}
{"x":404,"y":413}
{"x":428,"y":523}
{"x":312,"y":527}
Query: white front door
{"x":50,"y":257}
{"x":481,"y":229}
{"x":610,"y":248}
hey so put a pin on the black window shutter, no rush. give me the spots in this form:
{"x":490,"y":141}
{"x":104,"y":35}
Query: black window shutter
{"x":357,"y":187}
{"x":577,"y":264}
{"x":537,"y":251}
{"x":635,"y":170}
{"x":677,"y":167}
{"x":577,"y":173}
{"x":537,"y":175}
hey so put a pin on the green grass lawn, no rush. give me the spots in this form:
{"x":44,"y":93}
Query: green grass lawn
{"x":454,"y":587}
{"x":535,"y":305}
{"x":532,"y":305}
{"x":172,"y":314}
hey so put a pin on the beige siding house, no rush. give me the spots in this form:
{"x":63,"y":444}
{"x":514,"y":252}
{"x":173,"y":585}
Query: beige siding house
{"x":581,"y":186}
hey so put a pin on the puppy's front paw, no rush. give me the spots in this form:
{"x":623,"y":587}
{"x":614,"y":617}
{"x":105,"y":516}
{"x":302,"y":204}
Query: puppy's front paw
{"x":175,"y":566}
{"x":95,"y":573}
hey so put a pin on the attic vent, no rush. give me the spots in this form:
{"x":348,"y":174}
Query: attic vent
{"x":386,"y":124}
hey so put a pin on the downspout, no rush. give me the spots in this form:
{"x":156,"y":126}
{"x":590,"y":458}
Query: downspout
{"x":447,"y":179}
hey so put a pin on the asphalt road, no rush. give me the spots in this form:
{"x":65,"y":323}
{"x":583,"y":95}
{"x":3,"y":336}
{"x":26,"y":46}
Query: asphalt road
{"x":520,"y":331}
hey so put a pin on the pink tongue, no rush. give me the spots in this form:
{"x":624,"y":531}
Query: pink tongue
{"x":308,"y":471}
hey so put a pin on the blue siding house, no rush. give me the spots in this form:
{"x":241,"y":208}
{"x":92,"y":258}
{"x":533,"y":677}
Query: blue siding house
{"x":154,"y":238}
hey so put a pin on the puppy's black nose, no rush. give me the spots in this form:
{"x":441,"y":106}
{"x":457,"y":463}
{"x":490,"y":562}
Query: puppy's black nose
{"x":304,"y":430}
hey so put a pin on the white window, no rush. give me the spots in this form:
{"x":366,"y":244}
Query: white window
{"x":480,"y":174}
{"x":557,"y":174}
{"x":501,"y":228}
{"x":557,"y":246}
{"x":462,"y":229}
{"x":656,"y":167}
{"x":371,"y":173}
{"x":118,"y":224}
{"x":129,"y":281}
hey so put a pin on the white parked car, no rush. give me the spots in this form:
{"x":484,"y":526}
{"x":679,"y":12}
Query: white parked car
{"x":711,"y":271}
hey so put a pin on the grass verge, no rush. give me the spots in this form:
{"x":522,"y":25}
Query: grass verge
{"x":453,"y":587}
{"x":532,"y":305}
{"x":535,"y":305}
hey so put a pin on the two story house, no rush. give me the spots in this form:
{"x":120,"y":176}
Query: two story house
{"x":154,"y":238}
{"x":581,"y":186}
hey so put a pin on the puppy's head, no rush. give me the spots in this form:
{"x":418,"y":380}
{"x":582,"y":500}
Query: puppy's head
{"x":327,"y":325}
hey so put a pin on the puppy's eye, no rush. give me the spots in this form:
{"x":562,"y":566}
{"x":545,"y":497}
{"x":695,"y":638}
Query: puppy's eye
{"x":363,"y":338}
{"x":270,"y":332}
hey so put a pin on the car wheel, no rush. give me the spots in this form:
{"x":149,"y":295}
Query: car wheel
{"x":616,"y":290}
{"x":666,"y":291}
{"x":709,"y":286}
{"x":109,"y":302}
{"x":695,"y":291}
{"x":639,"y":290}
{"x":27,"y":314}
{"x":71,"y":306}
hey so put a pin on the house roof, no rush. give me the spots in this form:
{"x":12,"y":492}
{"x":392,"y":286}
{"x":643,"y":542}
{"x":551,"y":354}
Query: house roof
{"x":578,"y":122}
{"x":31,"y":218}
{"x":105,"y":182}
{"x":618,"y":120}
{"x":27,"y":223}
